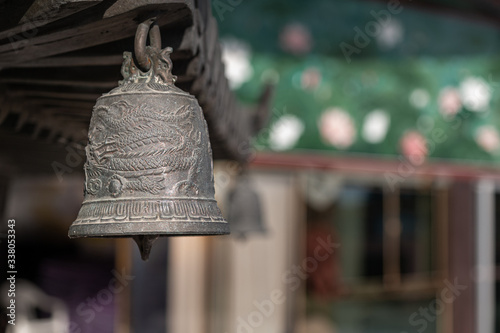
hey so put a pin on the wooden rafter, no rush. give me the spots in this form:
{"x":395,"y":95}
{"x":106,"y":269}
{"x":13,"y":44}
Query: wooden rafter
{"x":60,"y":55}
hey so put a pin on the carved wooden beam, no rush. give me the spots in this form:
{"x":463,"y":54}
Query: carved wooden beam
{"x":54,"y":72}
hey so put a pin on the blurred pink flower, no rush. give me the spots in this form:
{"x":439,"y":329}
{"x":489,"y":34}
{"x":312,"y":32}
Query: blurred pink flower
{"x":413,"y":147}
{"x":487,"y":138}
{"x":311,"y":78}
{"x":296,"y":39}
{"x":337,"y":128}
{"x":449,"y":102}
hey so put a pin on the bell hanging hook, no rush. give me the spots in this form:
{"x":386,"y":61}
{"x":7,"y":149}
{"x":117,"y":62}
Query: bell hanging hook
{"x":147,"y":27}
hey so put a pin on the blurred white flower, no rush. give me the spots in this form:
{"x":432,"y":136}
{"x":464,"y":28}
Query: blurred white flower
{"x":390,"y":34}
{"x":337,"y":128}
{"x":236,"y":56}
{"x":285,"y":132}
{"x":475,"y":94}
{"x":419,"y":98}
{"x":375,"y":126}
{"x":449,"y":102}
{"x":487,"y":138}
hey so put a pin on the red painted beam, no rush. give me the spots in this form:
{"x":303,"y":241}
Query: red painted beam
{"x":397,"y":166}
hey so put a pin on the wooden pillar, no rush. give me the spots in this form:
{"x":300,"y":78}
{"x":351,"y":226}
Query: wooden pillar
{"x":485,"y":256}
{"x":261,"y":284}
{"x":123,"y":263}
{"x":392,"y":238}
{"x":462,"y":255}
{"x":187,"y":285}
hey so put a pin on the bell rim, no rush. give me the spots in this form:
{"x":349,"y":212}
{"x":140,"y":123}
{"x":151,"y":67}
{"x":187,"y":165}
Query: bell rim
{"x":147,"y":228}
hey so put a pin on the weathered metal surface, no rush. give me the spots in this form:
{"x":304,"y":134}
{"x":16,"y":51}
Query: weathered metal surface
{"x":149,"y":163}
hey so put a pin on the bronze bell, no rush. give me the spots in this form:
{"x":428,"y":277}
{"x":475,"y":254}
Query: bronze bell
{"x":244,"y":211}
{"x":149,"y":169}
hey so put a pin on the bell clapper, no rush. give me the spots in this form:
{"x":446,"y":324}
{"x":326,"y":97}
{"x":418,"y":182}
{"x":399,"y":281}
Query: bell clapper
{"x":145,"y":244}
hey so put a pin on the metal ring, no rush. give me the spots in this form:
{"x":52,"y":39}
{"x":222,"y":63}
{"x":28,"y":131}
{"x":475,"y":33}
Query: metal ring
{"x":143,"y":61}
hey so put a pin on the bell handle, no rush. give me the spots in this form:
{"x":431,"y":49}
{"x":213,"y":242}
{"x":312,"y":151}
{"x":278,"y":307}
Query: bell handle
{"x":143,"y":60}
{"x":155,"y":37}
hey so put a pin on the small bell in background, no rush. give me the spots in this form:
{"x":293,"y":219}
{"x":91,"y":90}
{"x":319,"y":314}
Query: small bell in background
{"x":149,"y":162}
{"x":244,"y":212}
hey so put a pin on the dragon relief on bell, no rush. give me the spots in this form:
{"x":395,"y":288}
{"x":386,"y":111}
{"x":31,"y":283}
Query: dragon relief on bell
{"x":132,"y":147}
